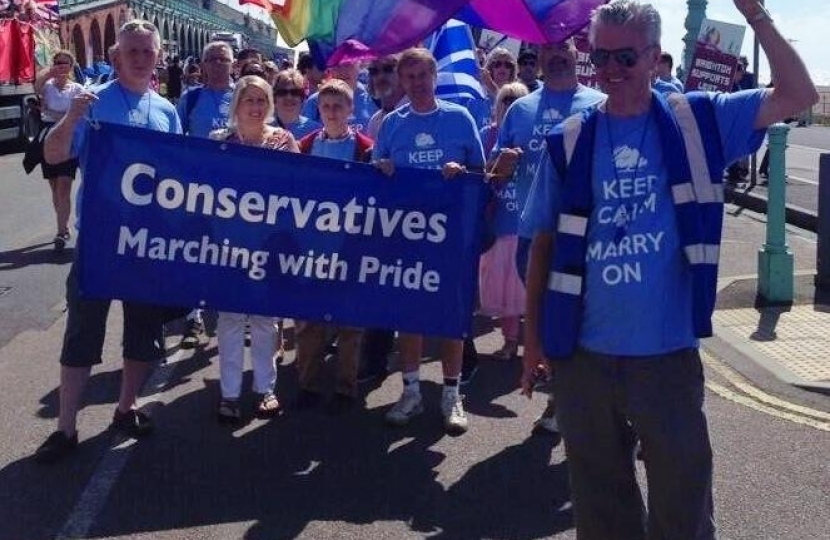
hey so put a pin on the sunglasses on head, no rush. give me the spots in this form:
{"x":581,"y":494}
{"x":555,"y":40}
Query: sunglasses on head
{"x":283,"y":92}
{"x":374,"y":70}
{"x":626,"y":57}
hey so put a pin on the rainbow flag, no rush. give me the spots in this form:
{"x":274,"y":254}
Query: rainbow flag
{"x":355,"y":29}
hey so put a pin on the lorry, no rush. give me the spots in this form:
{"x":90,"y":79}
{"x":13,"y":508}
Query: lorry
{"x":26,"y":43}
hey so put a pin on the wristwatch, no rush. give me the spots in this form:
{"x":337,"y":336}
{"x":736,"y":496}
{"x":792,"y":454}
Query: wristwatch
{"x":759,"y":15}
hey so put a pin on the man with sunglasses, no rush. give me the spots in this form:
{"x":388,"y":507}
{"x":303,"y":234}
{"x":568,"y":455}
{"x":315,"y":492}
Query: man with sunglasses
{"x":528,"y":72}
{"x":527,"y":122}
{"x":623,"y":272}
{"x":127,"y":100}
{"x":384,"y":89}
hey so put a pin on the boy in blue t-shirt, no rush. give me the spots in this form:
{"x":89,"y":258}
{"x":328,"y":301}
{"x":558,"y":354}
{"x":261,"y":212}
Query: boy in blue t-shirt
{"x":335,"y":140}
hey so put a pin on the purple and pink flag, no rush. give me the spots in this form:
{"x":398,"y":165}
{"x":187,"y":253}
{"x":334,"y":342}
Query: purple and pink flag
{"x":358,"y":29}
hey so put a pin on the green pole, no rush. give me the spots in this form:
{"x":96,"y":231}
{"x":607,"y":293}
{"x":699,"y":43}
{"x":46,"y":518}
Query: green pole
{"x":775,"y":260}
{"x":694,"y":18}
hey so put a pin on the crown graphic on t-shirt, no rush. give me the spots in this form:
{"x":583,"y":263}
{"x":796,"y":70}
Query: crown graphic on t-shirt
{"x":628,"y":159}
{"x":551,"y":115}
{"x":422,"y":140}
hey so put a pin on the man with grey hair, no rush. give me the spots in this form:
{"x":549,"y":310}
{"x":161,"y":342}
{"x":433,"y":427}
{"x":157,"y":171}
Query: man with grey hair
{"x":127,"y":100}
{"x":623,"y":275}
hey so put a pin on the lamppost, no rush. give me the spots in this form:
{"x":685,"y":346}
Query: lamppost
{"x":694,"y":18}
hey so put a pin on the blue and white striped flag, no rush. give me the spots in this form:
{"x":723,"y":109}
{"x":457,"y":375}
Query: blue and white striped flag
{"x":454,"y":49}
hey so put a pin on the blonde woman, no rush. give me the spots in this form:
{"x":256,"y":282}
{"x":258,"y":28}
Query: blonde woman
{"x":251,"y":111}
{"x":57,"y":89}
{"x":500,"y":68}
{"x":501,"y":290}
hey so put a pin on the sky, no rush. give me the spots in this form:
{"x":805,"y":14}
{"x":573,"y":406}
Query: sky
{"x":803,"y":22}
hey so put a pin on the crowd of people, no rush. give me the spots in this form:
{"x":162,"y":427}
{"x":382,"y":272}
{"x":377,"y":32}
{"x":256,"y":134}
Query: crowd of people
{"x":605,"y":219}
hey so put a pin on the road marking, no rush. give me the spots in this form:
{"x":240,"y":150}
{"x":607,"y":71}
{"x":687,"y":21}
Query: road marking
{"x":805,"y":180}
{"x":100,"y":484}
{"x":742,"y":384}
{"x":758,"y":400}
{"x":741,"y":399}
{"x":807,"y":147}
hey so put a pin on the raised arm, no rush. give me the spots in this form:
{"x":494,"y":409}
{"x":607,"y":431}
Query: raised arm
{"x":794,"y":90}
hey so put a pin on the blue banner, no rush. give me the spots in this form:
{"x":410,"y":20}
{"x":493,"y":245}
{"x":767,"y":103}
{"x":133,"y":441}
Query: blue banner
{"x":182,"y":221}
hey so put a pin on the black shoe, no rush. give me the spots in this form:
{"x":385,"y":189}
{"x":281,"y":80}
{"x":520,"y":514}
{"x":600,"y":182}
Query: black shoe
{"x":193,"y":335}
{"x":339,"y":404}
{"x":56,"y":447}
{"x":467,"y":373}
{"x":60,"y":241}
{"x":307,"y":399}
{"x":132,"y":423}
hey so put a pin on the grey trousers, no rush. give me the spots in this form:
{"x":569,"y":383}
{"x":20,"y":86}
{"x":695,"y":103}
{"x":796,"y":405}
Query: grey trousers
{"x":604,"y":404}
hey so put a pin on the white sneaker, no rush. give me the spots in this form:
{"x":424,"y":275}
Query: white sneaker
{"x":455,"y":419}
{"x":409,"y":406}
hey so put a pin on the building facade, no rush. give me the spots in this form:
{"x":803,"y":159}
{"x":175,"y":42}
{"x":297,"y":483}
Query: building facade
{"x":88,"y":27}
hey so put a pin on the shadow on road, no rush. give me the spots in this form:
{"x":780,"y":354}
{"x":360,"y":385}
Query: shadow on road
{"x":37,"y":254}
{"x":307,"y":472}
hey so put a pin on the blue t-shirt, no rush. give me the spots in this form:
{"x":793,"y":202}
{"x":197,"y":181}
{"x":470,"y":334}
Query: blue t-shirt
{"x":342,"y":149}
{"x":364,"y":108}
{"x":117,"y":105}
{"x":666,"y":88}
{"x":526,"y":124}
{"x":210,"y":112}
{"x":429,"y":140}
{"x":638,"y":294}
{"x":300,"y":127}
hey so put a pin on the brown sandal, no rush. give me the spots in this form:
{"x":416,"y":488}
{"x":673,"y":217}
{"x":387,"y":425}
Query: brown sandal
{"x":269,"y":406}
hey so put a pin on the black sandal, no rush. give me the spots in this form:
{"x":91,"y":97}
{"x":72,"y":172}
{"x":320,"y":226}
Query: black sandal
{"x":228,"y":411}
{"x":269,"y":406}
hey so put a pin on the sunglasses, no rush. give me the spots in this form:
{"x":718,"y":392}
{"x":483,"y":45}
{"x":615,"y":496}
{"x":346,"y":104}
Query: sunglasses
{"x":527,"y":62}
{"x":283,"y":92}
{"x":508,"y":101}
{"x":388,"y":69}
{"x":627,"y":57}
{"x":63,"y":63}
{"x":501,"y":63}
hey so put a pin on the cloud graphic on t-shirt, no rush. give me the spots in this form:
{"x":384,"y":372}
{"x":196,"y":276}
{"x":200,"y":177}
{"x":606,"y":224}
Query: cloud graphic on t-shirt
{"x":423,"y":140}
{"x":628,"y":159}
{"x":551,"y":115}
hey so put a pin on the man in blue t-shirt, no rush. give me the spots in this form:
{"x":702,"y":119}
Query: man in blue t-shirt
{"x":528,"y":121}
{"x":205,"y":108}
{"x":364,"y":107}
{"x":633,"y":370}
{"x":428,"y":134}
{"x":127,"y":100}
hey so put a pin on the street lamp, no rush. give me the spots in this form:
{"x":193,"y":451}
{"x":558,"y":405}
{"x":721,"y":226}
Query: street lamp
{"x":694,"y":18}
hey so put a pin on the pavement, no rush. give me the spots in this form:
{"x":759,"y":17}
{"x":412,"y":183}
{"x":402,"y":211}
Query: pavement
{"x":789,"y":340}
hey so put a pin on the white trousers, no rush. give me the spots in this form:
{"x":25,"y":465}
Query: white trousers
{"x":230,"y":332}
